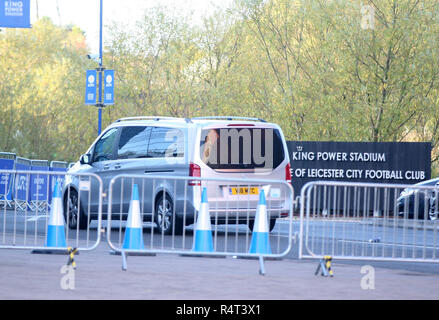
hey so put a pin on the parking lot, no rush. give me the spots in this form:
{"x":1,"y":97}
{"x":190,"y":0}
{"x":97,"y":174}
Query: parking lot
{"x":99,"y":276}
{"x":364,"y":236}
{"x":374,"y":256}
{"x":167,"y":276}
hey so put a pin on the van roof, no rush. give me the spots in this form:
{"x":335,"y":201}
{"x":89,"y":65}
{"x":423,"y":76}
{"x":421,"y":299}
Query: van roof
{"x":181,"y":122}
{"x":189,"y":120}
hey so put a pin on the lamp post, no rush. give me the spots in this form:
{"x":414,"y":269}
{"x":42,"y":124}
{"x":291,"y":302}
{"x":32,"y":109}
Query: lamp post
{"x":100,"y":70}
{"x":105,"y":87}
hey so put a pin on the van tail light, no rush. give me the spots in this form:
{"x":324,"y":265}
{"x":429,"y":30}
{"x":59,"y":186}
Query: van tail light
{"x":194,"y":171}
{"x":288,"y":172}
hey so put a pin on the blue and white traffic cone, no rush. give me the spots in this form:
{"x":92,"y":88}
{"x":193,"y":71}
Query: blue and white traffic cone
{"x":133,"y":232}
{"x":260,"y":236}
{"x":56,"y":236}
{"x":203,"y":231}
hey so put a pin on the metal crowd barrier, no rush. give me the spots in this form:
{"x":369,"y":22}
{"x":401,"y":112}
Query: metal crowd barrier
{"x":31,"y":192}
{"x":39,"y":186}
{"x":364,"y":221}
{"x":56,"y":166}
{"x":232,"y":209}
{"x":21,"y":228}
{"x":22,"y":183}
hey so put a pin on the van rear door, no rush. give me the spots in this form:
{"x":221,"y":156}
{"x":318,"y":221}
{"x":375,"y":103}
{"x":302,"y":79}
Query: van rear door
{"x":247,"y":149}
{"x":250,"y":151}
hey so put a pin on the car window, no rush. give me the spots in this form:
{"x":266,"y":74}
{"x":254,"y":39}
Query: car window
{"x":241,"y":148}
{"x":133,"y":142}
{"x":104,"y":147}
{"x":166,"y":142}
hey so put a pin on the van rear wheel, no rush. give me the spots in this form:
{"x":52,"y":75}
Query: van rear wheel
{"x":271,"y":226}
{"x":167,"y":222}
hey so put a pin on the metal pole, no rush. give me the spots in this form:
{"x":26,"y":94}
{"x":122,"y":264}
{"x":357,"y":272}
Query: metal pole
{"x":100,"y":71}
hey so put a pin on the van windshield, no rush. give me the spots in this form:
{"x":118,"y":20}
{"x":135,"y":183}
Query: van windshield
{"x":241,"y":148}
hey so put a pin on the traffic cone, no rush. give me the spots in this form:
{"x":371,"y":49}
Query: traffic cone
{"x":55,"y":228}
{"x":203,"y":231}
{"x":260,"y":236}
{"x":133,"y":232}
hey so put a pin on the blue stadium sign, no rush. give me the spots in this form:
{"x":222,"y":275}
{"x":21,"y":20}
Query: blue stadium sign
{"x":108,"y":87}
{"x":15,"y":14}
{"x":90,"y":87}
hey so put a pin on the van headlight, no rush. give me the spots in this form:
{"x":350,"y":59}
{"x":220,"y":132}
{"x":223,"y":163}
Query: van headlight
{"x":68,"y":179}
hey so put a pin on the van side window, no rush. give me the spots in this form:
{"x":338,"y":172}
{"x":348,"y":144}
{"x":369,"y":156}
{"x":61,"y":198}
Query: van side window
{"x":166,"y":143}
{"x":133,"y":142}
{"x":104,"y":147}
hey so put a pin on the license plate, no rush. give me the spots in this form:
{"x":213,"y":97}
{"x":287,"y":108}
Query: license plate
{"x":243,"y":191}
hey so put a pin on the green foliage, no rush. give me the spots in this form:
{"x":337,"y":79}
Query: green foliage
{"x":41,"y":85}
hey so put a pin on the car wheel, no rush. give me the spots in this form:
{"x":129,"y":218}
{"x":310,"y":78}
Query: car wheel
{"x":167,"y":222}
{"x":73,"y":212}
{"x":251,"y":224}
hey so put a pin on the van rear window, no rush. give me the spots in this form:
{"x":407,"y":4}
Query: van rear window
{"x":241,"y":148}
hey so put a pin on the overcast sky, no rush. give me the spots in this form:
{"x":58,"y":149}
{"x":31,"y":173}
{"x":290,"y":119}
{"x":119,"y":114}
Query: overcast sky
{"x":85,"y":13}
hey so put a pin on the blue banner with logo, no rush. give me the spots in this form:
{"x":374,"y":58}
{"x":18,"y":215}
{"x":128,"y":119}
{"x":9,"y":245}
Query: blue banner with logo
{"x":22,"y":180}
{"x":38,"y":184}
{"x":90,"y":87}
{"x":15,"y":13}
{"x":109,"y":87}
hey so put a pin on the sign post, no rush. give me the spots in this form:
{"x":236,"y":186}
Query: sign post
{"x":101,"y":68}
{"x":105,"y":79}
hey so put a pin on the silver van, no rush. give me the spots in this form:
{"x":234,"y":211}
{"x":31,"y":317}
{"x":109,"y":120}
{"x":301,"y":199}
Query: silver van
{"x":206,"y":147}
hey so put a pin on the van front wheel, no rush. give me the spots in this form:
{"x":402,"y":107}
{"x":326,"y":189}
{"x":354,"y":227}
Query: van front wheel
{"x":73,"y":213}
{"x":165,"y":218}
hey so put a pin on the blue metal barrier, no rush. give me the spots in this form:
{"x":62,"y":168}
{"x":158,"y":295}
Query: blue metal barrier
{"x":7,"y":162}
{"x":21,"y":188}
{"x":39,"y":186}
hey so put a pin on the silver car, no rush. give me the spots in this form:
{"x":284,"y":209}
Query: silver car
{"x":208,"y":147}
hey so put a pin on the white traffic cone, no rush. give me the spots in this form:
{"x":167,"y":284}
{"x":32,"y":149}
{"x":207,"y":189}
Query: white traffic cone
{"x":260,"y":236}
{"x":133,"y":232}
{"x":55,"y":228}
{"x":203,"y":231}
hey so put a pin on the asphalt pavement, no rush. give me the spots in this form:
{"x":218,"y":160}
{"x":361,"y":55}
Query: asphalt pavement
{"x":99,"y":274}
{"x":172,"y":277}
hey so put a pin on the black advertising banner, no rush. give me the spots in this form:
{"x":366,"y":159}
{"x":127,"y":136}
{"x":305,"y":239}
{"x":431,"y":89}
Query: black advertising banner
{"x":374,"y":162}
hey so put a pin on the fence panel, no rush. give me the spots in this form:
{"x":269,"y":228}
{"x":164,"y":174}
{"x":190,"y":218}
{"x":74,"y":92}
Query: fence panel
{"x":39,"y":186}
{"x":177,"y":202}
{"x":364,"y":221}
{"x":22,"y":183}
{"x":69,"y":222}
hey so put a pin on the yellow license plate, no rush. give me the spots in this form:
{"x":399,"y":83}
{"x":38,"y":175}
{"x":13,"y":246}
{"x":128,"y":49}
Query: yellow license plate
{"x":243,"y":191}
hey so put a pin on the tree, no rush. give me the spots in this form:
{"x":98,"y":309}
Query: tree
{"x":41,"y":90}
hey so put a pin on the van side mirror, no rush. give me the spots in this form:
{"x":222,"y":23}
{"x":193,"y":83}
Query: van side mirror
{"x":85,"y":159}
